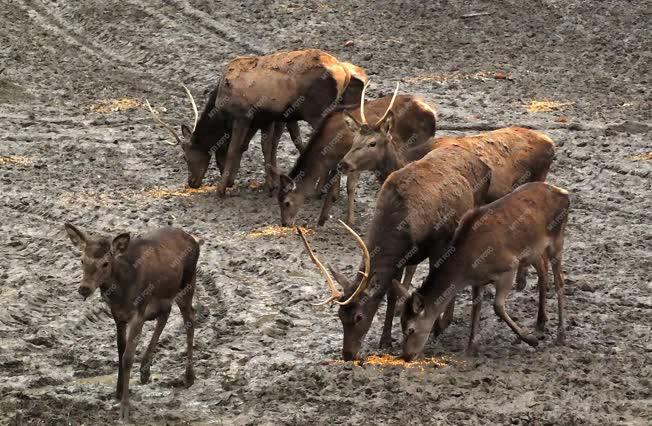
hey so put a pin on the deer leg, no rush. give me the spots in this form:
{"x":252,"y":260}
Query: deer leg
{"x":266,"y":136}
{"x":134,"y":328}
{"x":503,"y":286}
{"x":559,"y":285}
{"x":351,"y":183}
{"x":121,"y":329}
{"x":295,"y":135}
{"x":275,"y":137}
{"x":476,"y":307}
{"x":521,"y":279}
{"x":146,"y":362}
{"x":251,"y":132}
{"x":541,"y":267}
{"x":188,"y":314}
{"x":334,"y":182}
{"x":386,"y":336}
{"x":234,"y":154}
{"x":445,"y":318}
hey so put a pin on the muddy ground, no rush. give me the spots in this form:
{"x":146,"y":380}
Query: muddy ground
{"x":263,"y":354}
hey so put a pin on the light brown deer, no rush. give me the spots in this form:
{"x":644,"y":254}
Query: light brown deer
{"x":263,"y":92}
{"x":417,"y":211}
{"x":526,"y":226}
{"x":317,"y":166}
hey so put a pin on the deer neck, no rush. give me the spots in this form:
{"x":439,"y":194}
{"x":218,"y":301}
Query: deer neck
{"x":394,"y":160}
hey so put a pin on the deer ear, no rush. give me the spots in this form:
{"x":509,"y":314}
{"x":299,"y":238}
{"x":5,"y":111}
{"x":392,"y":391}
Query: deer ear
{"x":185,"y":131}
{"x":400,"y":291}
{"x":417,"y":303}
{"x":351,"y":123}
{"x":77,"y":236}
{"x":287,"y":184}
{"x":388,"y":124}
{"x":120,"y":243}
{"x":340,"y":278}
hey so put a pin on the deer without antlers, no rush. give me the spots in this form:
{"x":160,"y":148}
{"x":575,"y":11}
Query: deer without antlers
{"x":525,"y":226}
{"x":140,"y":279}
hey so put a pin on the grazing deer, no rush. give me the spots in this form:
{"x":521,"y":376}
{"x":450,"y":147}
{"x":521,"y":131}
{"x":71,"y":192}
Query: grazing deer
{"x":515,"y":155}
{"x":417,"y":211}
{"x":263,"y":92}
{"x":525,"y":226}
{"x":140,"y":279}
{"x":413,"y":120}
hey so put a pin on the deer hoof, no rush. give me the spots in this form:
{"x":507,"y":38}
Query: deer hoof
{"x":472,"y":350}
{"x":189,"y":379}
{"x":561,"y":338}
{"x":220,"y":189}
{"x":144,"y":375}
{"x":385,"y":343}
{"x":531,"y":340}
{"x":124,"y":412}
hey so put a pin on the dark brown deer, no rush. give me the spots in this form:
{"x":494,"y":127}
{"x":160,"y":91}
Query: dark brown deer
{"x":413,"y":120}
{"x":526,"y":226}
{"x":515,"y":155}
{"x":140,"y":279}
{"x":417,"y":211}
{"x":262,"y":92}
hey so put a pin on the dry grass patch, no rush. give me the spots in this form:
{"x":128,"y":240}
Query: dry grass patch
{"x":274,"y":231}
{"x":158,"y":192}
{"x":547,"y":106}
{"x":107,"y":106}
{"x":646,"y":156}
{"x":20,"y":160}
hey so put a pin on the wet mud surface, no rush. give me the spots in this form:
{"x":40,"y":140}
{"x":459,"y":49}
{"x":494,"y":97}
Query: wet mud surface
{"x":263,"y":354}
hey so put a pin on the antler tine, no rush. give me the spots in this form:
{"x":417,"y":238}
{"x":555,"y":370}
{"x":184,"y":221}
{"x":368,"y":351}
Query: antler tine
{"x":194,"y":106}
{"x":391,"y":104}
{"x":167,"y":126}
{"x":367,"y":266}
{"x":335,"y":293}
{"x":362,"y":117}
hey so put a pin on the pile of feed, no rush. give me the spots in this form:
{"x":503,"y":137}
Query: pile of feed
{"x":278,"y":231}
{"x":15,"y":159}
{"x":158,"y":192}
{"x":106,"y":106}
{"x":547,"y":106}
{"x":643,"y":157}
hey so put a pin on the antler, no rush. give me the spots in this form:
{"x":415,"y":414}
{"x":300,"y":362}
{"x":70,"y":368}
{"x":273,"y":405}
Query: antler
{"x":194,"y":106}
{"x":167,"y":126}
{"x":362,"y":117}
{"x":391,"y":104}
{"x":367,"y":266}
{"x":335,"y":293}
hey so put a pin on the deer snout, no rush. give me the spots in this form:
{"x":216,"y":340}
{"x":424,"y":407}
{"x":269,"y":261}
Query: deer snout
{"x":410,"y":356}
{"x":85,"y":291}
{"x":347,"y":166}
{"x":194,"y":183}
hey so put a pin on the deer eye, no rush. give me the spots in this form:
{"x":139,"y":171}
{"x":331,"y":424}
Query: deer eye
{"x":287,"y":204}
{"x":410,"y":331}
{"x":105,"y":264}
{"x":357,"y":318}
{"x":372,"y":144}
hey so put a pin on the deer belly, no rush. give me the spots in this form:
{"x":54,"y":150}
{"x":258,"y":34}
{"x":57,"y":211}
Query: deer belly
{"x":156,"y":308}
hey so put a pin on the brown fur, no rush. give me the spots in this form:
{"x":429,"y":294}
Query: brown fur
{"x":415,"y":121}
{"x":140,"y":279}
{"x":417,"y":211}
{"x":525,"y":226}
{"x":259,"y":93}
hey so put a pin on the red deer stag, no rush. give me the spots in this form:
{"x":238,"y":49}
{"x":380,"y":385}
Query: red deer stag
{"x":417,"y":211}
{"x":262,"y":92}
{"x":526,"y":226}
{"x":140,"y":279}
{"x":414,"y":121}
